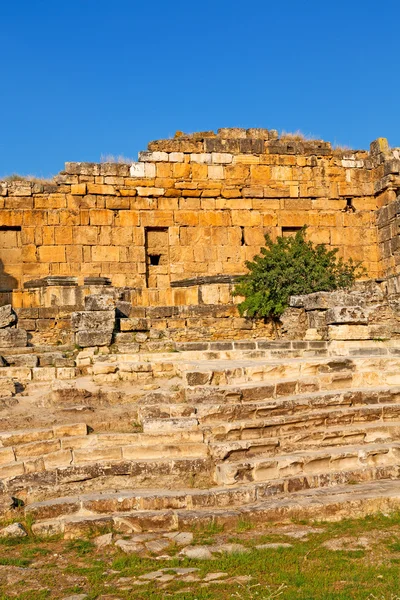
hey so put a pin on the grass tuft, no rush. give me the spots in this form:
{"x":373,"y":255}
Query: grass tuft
{"x":81,"y":547}
{"x":244,"y":525}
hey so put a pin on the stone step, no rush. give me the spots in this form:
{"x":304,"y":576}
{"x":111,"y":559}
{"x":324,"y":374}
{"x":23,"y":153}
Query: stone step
{"x":238,"y":354}
{"x":166,"y":411}
{"x":319,"y":437}
{"x":324,"y":504}
{"x":263,"y":392}
{"x":109,"y":502}
{"x":271,"y":348}
{"x":282,"y":390}
{"x":286,"y":425}
{"x":42,"y":350}
{"x":24,"y":440}
{"x":234,"y":407}
{"x":100,"y":469}
{"x":354,"y":372}
{"x":25,"y":374}
{"x":26,"y":436}
{"x":170,"y":424}
{"x":224,"y":423}
{"x":136,"y":500}
{"x":75,"y":451}
{"x":214,"y":416}
{"x":326,"y":461}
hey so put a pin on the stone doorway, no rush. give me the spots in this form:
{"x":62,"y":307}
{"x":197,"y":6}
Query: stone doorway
{"x":157,"y":257}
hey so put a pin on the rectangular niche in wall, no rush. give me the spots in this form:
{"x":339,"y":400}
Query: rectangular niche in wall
{"x":10,"y":258}
{"x":290,"y":231}
{"x":157,"y":257}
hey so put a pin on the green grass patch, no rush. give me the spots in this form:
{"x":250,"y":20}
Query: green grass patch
{"x":81,"y":547}
{"x":307,"y":570}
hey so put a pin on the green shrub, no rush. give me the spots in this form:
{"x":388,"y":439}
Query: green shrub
{"x":288,"y":267}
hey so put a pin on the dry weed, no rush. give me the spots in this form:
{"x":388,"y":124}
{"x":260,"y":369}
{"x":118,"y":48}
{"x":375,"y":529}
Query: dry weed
{"x":296,"y":136}
{"x":391,"y":597}
{"x":111,"y":158}
{"x":31,"y":178}
{"x":255,"y":592}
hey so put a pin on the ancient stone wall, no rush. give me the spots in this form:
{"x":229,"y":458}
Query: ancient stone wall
{"x":196,"y":206}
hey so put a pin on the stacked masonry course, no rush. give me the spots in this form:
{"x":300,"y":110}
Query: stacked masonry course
{"x":198,"y":205}
{"x":133,"y":396}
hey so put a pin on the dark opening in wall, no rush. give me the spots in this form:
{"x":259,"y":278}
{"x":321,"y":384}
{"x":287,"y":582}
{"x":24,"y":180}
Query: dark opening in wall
{"x":10,"y":228}
{"x":349,"y":205}
{"x":290,"y":231}
{"x":157,"y":257}
{"x":154,"y":259}
{"x":242,"y":242}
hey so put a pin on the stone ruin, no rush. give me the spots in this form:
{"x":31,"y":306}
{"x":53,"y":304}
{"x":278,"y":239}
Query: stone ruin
{"x":134,"y":395}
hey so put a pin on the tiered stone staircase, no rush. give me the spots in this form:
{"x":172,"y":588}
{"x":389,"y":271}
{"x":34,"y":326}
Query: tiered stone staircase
{"x":219,"y":431}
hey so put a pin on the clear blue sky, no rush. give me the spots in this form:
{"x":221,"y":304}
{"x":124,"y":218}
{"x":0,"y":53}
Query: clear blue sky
{"x":83,"y":78}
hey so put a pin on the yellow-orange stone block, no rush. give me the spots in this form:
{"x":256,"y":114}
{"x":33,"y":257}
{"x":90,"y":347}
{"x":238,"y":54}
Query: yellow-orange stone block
{"x":52,"y":254}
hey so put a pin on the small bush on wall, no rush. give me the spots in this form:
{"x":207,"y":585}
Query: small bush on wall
{"x":291,"y":266}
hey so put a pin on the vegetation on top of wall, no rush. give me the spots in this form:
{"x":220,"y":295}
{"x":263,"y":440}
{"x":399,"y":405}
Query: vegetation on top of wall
{"x":120,"y":159}
{"x":297,"y":136}
{"x":31,"y":178}
{"x":291,"y":266}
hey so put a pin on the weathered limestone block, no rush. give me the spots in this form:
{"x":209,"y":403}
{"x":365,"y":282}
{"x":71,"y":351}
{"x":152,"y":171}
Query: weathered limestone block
{"x":7,"y":387}
{"x":137,"y":169}
{"x":379,"y":145}
{"x":141,"y":337}
{"x":346,"y":314}
{"x":125,"y":338}
{"x":294,"y":323}
{"x":316,"y":319}
{"x":88,"y":338}
{"x":104,"y":369}
{"x":221,"y":158}
{"x":44,"y":373}
{"x":7,"y":316}
{"x":96,"y":320}
{"x":22,"y":360}
{"x":348,"y":332}
{"x":65,"y":372}
{"x":124,"y":309}
{"x":297,"y":301}
{"x":134,"y":324}
{"x":13,"y":338}
{"x":78,"y":189}
{"x":325,"y":300}
{"x":96,"y":302}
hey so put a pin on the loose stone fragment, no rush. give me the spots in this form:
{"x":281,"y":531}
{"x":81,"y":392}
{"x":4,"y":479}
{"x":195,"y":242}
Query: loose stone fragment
{"x":15,"y":530}
{"x":181,"y":538}
{"x":130,"y":547}
{"x":103,"y":540}
{"x":157,"y":546}
{"x":7,"y":316}
{"x":197,"y":552}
